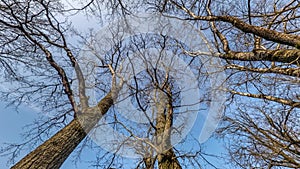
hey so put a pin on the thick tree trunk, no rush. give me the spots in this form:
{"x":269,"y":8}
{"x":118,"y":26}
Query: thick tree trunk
{"x":52,"y":153}
{"x":149,"y":162}
{"x":166,"y":158}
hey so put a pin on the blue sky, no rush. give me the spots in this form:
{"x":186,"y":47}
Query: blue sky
{"x":11,"y":125}
{"x":12,"y":122}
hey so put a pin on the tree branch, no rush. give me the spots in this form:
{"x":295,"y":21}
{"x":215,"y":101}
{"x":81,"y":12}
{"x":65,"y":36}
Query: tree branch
{"x":272,"y":35}
{"x":268,"y":97}
{"x":289,"y":56}
{"x":295,"y":72}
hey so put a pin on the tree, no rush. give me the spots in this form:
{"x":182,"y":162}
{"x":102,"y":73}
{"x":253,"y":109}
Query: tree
{"x":44,"y":34}
{"x":257,"y":40}
{"x":32,"y":38}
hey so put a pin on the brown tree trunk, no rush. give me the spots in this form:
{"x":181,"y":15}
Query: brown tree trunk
{"x":166,"y":158}
{"x":52,"y":153}
{"x":149,"y":162}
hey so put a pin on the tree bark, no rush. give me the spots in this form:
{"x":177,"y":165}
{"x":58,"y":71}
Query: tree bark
{"x":52,"y":153}
{"x":271,"y":35}
{"x":290,"y":56}
{"x":166,"y":158}
{"x":149,"y":162}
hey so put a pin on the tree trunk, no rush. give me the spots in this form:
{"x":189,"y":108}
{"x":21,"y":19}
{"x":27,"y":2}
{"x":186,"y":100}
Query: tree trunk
{"x":166,"y":158}
{"x":52,"y":153}
{"x":149,"y":162}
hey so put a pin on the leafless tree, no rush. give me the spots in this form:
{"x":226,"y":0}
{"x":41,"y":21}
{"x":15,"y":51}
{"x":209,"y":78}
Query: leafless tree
{"x":259,"y":43}
{"x":153,"y":78}
{"x":34,"y":38}
{"x":257,"y":40}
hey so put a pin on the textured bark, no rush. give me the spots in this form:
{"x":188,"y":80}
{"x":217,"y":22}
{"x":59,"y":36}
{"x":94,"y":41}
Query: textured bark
{"x":282,"y":55}
{"x":272,"y":35}
{"x":268,"y":97}
{"x":52,"y":153}
{"x":166,"y":158}
{"x":295,"y":72}
{"x":283,"y":38}
{"x":149,"y":162}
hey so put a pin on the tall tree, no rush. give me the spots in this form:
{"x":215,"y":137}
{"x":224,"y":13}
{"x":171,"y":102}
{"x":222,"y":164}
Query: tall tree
{"x":257,"y":40}
{"x":260,"y":43}
{"x":34,"y":39}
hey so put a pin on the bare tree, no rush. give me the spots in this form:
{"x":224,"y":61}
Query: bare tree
{"x":38,"y":28}
{"x":35,"y":38}
{"x":257,"y":40}
{"x":259,"y":43}
{"x":153,"y":78}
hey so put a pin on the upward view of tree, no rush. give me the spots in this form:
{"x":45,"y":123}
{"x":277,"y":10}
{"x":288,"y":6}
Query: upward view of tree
{"x":258,"y":43}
